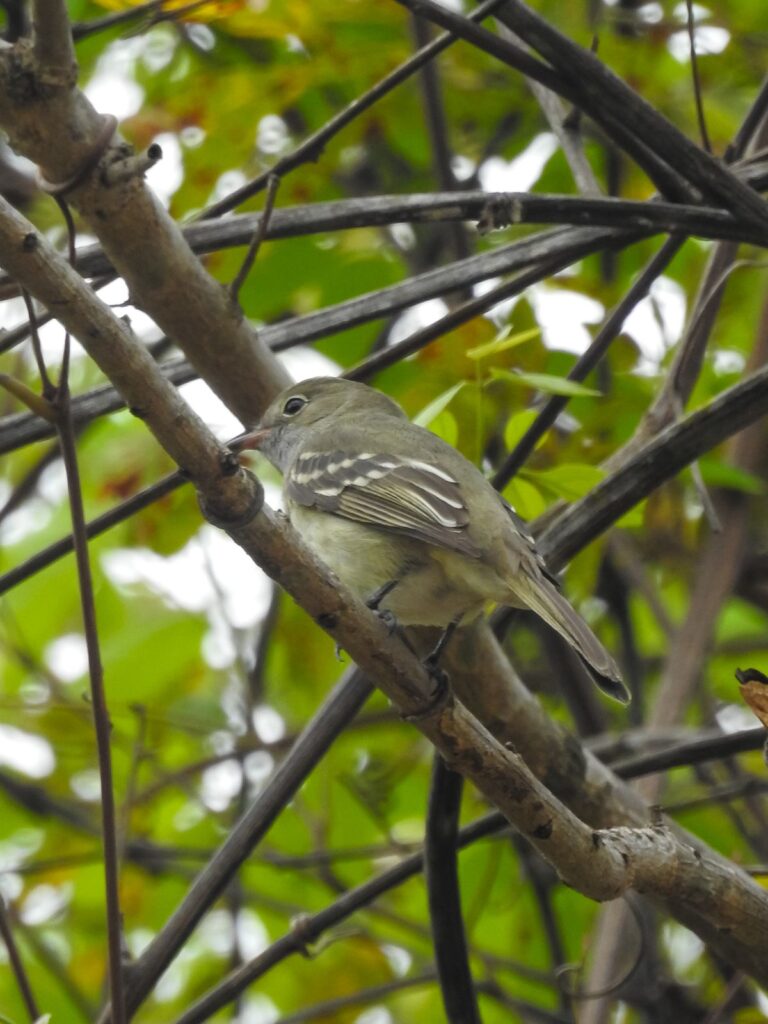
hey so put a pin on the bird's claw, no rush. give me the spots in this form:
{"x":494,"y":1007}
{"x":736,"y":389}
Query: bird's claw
{"x":388,"y":618}
{"x":440,"y":697}
{"x":438,"y":676}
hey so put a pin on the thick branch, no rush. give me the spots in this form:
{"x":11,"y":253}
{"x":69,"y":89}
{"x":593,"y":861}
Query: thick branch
{"x":233,"y":500}
{"x":657,"y":461}
{"x":56,"y":126}
{"x":438,"y":207}
{"x":53,"y":39}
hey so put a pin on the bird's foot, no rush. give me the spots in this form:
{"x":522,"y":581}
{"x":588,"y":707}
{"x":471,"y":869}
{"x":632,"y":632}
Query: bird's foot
{"x":440,"y":695}
{"x":389,"y":619}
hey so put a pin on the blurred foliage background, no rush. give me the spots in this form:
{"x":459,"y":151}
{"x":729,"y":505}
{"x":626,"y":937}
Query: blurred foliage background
{"x":210,"y":674}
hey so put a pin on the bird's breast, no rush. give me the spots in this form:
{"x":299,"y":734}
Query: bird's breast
{"x":431,"y":590}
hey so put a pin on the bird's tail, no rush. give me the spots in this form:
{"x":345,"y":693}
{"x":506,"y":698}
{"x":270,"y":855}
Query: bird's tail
{"x":543,"y":598}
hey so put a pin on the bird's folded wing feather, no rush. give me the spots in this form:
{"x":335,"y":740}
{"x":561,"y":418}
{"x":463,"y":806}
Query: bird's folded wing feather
{"x":407,"y":496}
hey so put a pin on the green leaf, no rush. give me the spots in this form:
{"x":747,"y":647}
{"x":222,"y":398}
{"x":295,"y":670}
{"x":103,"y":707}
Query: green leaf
{"x":502,"y":343}
{"x":525,"y":498}
{"x":446,"y":427}
{"x":430,"y":412}
{"x":634,"y":519}
{"x":570,"y":480}
{"x":720,"y":474}
{"x":546,"y":382}
{"x":517,"y":425}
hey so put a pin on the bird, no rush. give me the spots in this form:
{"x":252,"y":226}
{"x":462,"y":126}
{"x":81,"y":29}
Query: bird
{"x":405,"y":520}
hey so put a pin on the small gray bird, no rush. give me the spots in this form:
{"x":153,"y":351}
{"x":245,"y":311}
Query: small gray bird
{"x":396,"y":512}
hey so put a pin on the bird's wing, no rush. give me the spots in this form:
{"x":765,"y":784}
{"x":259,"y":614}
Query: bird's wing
{"x":390,"y":492}
{"x":526,"y":542}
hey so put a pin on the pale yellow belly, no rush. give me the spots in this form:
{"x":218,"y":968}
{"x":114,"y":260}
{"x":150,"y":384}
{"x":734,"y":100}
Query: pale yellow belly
{"x":436,"y":586}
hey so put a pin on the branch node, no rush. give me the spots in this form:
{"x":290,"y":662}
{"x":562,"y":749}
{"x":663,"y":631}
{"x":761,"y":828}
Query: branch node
{"x":303,"y":934}
{"x":133,"y":166}
{"x":221,"y":516}
{"x":501,"y":211}
{"x":90,"y":160}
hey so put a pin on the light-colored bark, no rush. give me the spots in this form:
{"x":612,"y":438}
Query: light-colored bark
{"x":600,"y":864}
{"x":50,"y":121}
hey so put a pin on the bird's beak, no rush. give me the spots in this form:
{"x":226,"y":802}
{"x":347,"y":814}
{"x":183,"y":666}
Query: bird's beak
{"x":251,"y":440}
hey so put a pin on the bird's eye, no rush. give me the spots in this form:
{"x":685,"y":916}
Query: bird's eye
{"x":294,"y":404}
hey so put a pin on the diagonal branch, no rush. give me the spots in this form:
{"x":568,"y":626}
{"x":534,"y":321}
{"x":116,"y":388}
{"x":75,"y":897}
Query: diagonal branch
{"x":54,"y":124}
{"x":233,"y":499}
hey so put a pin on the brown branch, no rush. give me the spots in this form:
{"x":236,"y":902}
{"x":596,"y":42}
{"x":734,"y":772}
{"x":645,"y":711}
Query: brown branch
{"x":17,"y":964}
{"x":259,"y":235}
{"x":56,"y":126}
{"x":233,"y":498}
{"x":696,"y":77}
{"x":52,"y":37}
{"x":58,"y":396}
{"x":610,"y":101}
{"x":312,"y":147}
{"x":102,"y":725}
{"x":436,"y":207}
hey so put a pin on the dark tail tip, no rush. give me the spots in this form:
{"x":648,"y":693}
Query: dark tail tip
{"x":611,"y":685}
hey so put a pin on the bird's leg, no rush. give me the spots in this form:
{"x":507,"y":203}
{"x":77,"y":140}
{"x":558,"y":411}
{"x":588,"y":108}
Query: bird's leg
{"x":386,"y":616}
{"x":375,"y":600}
{"x":441,"y":694}
{"x":379,"y":594}
{"x":442,"y":691}
{"x":433,"y":657}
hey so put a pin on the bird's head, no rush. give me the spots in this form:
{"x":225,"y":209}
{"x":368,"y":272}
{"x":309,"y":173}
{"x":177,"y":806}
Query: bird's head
{"x":302,"y":408}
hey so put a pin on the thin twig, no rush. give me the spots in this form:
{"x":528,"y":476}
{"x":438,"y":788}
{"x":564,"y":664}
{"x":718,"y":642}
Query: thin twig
{"x":696,"y":79}
{"x":17,"y":964}
{"x":59,"y":396}
{"x":101,"y":720}
{"x":152,"y":13}
{"x":138,"y":754}
{"x":749,"y":126}
{"x":273,"y":184}
{"x":48,"y":386}
{"x":94,"y":528}
{"x":341,"y":705}
{"x":543,"y":882}
{"x":50,"y":959}
{"x":313,"y":146}
{"x":588,"y":360}
{"x":437,"y":128}
{"x":52,"y":35}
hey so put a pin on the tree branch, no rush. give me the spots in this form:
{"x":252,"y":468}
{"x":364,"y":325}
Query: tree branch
{"x":54,"y":50}
{"x":232,"y":498}
{"x":56,"y":126}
